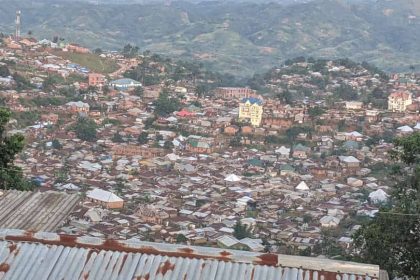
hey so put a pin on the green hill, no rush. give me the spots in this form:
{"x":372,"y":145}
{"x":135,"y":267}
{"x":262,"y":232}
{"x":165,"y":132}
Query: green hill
{"x":241,"y":38}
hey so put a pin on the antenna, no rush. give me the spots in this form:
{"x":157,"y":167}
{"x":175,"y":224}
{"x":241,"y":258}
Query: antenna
{"x":17,"y":32}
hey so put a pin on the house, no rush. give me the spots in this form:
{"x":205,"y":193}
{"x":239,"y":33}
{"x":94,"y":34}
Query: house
{"x":255,"y":245}
{"x":354,"y":105}
{"x":399,"y":101}
{"x":354,"y":136}
{"x":234,"y":93}
{"x":77,"y":107}
{"x":231,"y":130}
{"x":77,"y":48}
{"x":105,"y":198}
{"x":283,"y":152}
{"x":372,"y":115}
{"x":149,"y":214}
{"x":405,"y":129}
{"x":302,"y":186}
{"x":329,"y":221}
{"x":350,"y":161}
{"x":184,"y":113}
{"x":198,"y":144}
{"x":124,"y":84}
{"x":96,"y":80}
{"x":378,"y":196}
{"x":354,"y":182}
{"x":230,"y":242}
{"x":251,"y":109}
{"x":300,"y":151}
{"x":50,"y":118}
{"x":134,"y":150}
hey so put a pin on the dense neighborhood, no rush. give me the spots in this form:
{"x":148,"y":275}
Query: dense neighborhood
{"x":291,"y":161}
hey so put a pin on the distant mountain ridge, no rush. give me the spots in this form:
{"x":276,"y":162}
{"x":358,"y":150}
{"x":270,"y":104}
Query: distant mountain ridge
{"x":240,"y":38}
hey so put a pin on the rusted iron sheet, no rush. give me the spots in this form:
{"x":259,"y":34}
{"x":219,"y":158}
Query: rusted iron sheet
{"x":29,"y":255}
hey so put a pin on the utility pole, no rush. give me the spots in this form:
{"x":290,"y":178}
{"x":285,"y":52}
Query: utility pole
{"x":18,"y":22}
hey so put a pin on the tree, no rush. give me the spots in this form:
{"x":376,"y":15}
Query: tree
{"x":307,"y":218}
{"x":85,"y":129}
{"x":305,"y":252}
{"x":341,"y":125}
{"x":241,"y":231}
{"x":202,"y":89}
{"x":143,"y":138}
{"x":117,"y":138}
{"x":56,"y":144}
{"x":149,"y":122}
{"x":294,"y":131}
{"x":315,"y":111}
{"x":392,"y":238}
{"x":48,"y":83}
{"x":235,"y":141}
{"x":180,"y":238}
{"x":11,"y":176}
{"x":106,"y":89}
{"x":166,"y":105}
{"x":346,"y":92}
{"x":286,"y":96}
{"x":4,"y":71}
{"x":138,"y":91}
{"x":21,"y":82}
{"x":168,"y":145}
{"x":98,"y":51}
{"x":130,"y":51}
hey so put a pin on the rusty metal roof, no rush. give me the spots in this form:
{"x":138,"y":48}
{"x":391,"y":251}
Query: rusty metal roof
{"x":28,"y":255}
{"x":35,"y":210}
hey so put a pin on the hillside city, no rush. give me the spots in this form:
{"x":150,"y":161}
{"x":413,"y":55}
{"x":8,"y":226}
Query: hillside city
{"x":137,"y":146}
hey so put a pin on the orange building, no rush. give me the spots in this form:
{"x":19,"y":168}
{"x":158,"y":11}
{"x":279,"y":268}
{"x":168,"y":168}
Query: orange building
{"x":96,"y":80}
{"x":77,"y":49}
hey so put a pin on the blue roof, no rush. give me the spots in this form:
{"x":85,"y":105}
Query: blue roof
{"x":252,"y":100}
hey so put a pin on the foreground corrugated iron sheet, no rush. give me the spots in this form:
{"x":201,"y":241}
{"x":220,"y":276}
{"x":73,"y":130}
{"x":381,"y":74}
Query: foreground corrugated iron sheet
{"x":26,"y":255}
{"x":35,"y":210}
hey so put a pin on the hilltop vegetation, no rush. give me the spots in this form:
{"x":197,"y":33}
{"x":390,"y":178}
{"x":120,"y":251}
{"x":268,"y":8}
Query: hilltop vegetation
{"x":155,"y":69}
{"x":334,"y":80}
{"x":241,"y":38}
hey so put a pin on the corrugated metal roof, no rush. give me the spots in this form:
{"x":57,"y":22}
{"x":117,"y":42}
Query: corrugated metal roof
{"x":35,"y":210}
{"x":26,"y":255}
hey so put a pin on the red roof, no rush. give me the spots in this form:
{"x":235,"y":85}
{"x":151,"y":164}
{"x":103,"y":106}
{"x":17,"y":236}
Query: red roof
{"x":185,"y":113}
{"x":400,"y":95}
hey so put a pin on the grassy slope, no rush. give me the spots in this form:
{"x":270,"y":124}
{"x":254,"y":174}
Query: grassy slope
{"x":91,"y":61}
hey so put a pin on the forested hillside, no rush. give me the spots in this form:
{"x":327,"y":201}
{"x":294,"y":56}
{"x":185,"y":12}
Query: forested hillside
{"x":241,"y":38}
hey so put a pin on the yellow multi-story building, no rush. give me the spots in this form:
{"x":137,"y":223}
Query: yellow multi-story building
{"x":251,"y":109}
{"x":398,"y":101}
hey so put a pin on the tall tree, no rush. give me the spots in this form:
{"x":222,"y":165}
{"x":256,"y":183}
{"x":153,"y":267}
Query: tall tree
{"x":392,"y":238}
{"x":166,"y":105}
{"x":241,"y":231}
{"x":143,"y":138}
{"x":4,"y":71}
{"x":86,"y":129}
{"x":11,"y":176}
